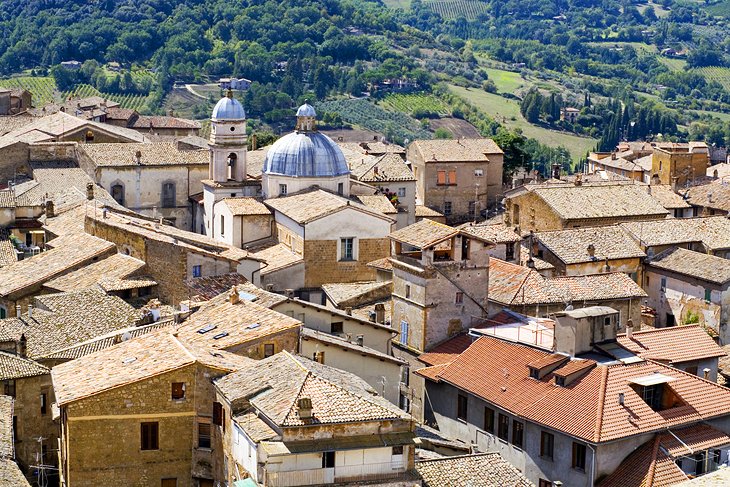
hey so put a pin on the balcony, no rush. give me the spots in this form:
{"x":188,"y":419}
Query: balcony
{"x":342,"y":474}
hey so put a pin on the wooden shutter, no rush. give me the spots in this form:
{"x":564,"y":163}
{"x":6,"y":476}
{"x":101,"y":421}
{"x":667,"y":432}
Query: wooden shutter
{"x":452,"y":177}
{"x":441,"y":177}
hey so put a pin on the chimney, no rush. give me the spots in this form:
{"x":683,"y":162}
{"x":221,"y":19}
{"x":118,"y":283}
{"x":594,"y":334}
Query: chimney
{"x":621,"y":398}
{"x":233,"y":297}
{"x":613,"y":156}
{"x":138,"y":157}
{"x":117,"y":339}
{"x":89,"y":191}
{"x":360,"y":340}
{"x":591,"y":250}
{"x":50,"y":209}
{"x":706,"y":373}
{"x":304,"y":406}
{"x":30,"y":311}
{"x":18,"y":311}
{"x":674,"y":183}
{"x":22,"y":346}
{"x":348,"y":310}
{"x":289,"y":293}
{"x":578,"y":179}
{"x":270,"y":287}
{"x":556,"y":171}
{"x":630,"y":329}
{"x":380,"y":313}
{"x":254,"y":142}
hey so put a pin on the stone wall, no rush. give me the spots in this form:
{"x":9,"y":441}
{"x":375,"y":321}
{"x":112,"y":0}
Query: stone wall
{"x":13,"y":162}
{"x":321,"y":265}
{"x":32,"y":422}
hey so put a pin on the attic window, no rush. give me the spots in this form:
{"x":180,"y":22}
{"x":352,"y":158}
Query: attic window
{"x":247,"y":296}
{"x":206,"y":329}
{"x":220,"y":335}
{"x":656,"y":392}
{"x":560,"y":381}
{"x":534,"y":373}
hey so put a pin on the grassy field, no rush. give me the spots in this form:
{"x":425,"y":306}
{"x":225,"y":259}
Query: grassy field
{"x":416,"y":104}
{"x":402,"y":4}
{"x":719,"y":9}
{"x":507,"y":112}
{"x":640,"y":47}
{"x":715,"y":73}
{"x":452,"y":9}
{"x":43,"y":88}
{"x":659,"y":10}
{"x":672,"y":63}
{"x":725,"y":117}
{"x":506,"y":81}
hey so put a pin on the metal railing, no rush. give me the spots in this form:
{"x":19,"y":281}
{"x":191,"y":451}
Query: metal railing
{"x":346,"y":473}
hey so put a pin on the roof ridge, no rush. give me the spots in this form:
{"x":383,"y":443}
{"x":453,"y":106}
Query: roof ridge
{"x":23,"y":359}
{"x":457,"y":457}
{"x":652,"y":466}
{"x":601,"y":404}
{"x":183,"y":347}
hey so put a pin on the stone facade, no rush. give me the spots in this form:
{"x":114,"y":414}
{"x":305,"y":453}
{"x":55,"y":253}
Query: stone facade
{"x":677,"y":166}
{"x":321,"y":264}
{"x":34,"y":419}
{"x":101,"y":434}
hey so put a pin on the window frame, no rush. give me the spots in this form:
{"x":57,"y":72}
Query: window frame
{"x":337,"y":327}
{"x":547,"y":445}
{"x":177,"y":391}
{"x":489,"y":414}
{"x":165,"y":200}
{"x":203,"y":436}
{"x":149,"y":435}
{"x":503,"y":427}
{"x":283,"y":190}
{"x":344,"y":250}
{"x":197,"y":270}
{"x":448,"y":208}
{"x":462,"y":407}
{"x":518,"y":434}
{"x":578,"y":461}
{"x":267,"y":347}
{"x":459,"y":297}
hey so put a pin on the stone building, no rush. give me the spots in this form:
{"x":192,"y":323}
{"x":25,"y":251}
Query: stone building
{"x":680,"y":164}
{"x":288,"y":421}
{"x":154,"y":179}
{"x":712,"y":198}
{"x":544,"y":207}
{"x":459,"y":178}
{"x":690,"y":287}
{"x":152,"y":125}
{"x":506,"y":241}
{"x":591,"y":250}
{"x":10,"y":474}
{"x":581,"y":421}
{"x":140,"y":412}
{"x":172,"y":255}
{"x":14,"y":101}
{"x":709,"y":235}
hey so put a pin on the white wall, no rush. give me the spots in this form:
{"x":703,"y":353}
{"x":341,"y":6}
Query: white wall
{"x":348,"y":222}
{"x":271,"y":182}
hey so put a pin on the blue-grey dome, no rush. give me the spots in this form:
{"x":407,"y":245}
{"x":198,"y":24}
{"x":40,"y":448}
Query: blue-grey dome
{"x":306,"y":110}
{"x":305,"y":154}
{"x":228,"y":108}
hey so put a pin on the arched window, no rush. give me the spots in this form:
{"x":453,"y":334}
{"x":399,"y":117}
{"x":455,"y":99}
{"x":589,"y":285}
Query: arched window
{"x":168,"y":194}
{"x":117,"y":192}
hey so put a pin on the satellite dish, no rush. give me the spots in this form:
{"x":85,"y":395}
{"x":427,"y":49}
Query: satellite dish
{"x":569,"y":307}
{"x":126,"y":336}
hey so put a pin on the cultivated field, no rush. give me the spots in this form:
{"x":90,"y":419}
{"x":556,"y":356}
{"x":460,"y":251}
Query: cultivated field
{"x":506,"y":81}
{"x":673,"y":63}
{"x":714,"y":73}
{"x":460,"y":129}
{"x":507,"y":112}
{"x":417,"y":105}
{"x":43,"y":88}
{"x":452,"y":9}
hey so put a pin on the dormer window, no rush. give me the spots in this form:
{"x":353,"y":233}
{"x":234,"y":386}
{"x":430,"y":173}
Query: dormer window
{"x":534,"y":373}
{"x":656,"y":392}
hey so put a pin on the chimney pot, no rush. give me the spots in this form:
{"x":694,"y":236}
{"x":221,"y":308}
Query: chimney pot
{"x":50,"y":209}
{"x":233,"y":297}
{"x":706,"y":373}
{"x":30,"y":311}
{"x":629,"y":329}
{"x":90,"y":191}
{"x":621,"y":398}
{"x":18,"y":310}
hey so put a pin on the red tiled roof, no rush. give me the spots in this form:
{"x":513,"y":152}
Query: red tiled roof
{"x":548,"y":360}
{"x":653,"y":463}
{"x":586,"y":408}
{"x":676,"y":344}
{"x":447,"y":351}
{"x":575,"y":366}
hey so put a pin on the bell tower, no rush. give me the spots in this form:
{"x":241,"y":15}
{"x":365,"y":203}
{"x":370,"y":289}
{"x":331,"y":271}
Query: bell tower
{"x":228,"y":141}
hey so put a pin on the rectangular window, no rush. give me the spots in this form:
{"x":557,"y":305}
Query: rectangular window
{"x":510,"y":251}
{"x":223,"y":225}
{"x":545,"y":483}
{"x":461,"y":406}
{"x":447,"y":208}
{"x":503,"y":427}
{"x":217,"y":414}
{"x":44,"y":403}
{"x":489,"y":420}
{"x":401,"y":192}
{"x":663,"y":284}
{"x":518,"y":431}
{"x":452,"y":177}
{"x":408,"y":291}
{"x":197,"y":270}
{"x":441,"y":178}
{"x":328,"y":459}
{"x":404,"y":332}
{"x":282,"y":190}
{"x":169,"y":483}
{"x":397,"y":450}
{"x":168,"y":195}
{"x":346,"y":249}
{"x":579,"y":456}
{"x":708,"y":295}
{"x":268,"y":349}
{"x":203,"y":435}
{"x":336,"y":327}
{"x":459,"y":299}
{"x":340,"y":188}
{"x":547,"y":442}
{"x":178,"y":390}
{"x":472,"y":208}
{"x":150,"y":435}
{"x":9,"y":387}
{"x":478,"y":173}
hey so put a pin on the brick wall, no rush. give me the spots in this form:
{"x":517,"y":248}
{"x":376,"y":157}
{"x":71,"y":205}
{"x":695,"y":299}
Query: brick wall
{"x":321,"y":265}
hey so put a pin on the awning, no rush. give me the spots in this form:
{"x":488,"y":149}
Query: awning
{"x":651,"y":380}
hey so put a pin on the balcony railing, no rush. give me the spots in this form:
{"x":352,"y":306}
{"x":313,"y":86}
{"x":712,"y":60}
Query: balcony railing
{"x":348,"y":473}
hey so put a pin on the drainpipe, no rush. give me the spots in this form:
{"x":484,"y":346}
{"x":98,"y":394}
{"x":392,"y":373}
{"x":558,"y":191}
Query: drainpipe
{"x":593,"y":463}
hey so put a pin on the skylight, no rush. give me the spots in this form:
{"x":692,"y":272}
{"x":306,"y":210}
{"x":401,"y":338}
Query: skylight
{"x":220,"y":335}
{"x":129,"y":360}
{"x":253,"y":326}
{"x":247,"y":296}
{"x":206,"y":329}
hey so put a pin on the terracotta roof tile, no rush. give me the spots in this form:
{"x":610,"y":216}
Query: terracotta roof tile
{"x":424,"y":233}
{"x":114,"y":266}
{"x":572,"y":202}
{"x":588,"y":407}
{"x":210,"y":287}
{"x":677,"y":344}
{"x":713,"y":231}
{"x":446,"y":351}
{"x":571,"y":246}
{"x":357,"y":293}
{"x":715,"y":194}
{"x":701,"y":266}
{"x":499,"y":233}
{"x":152,"y":154}
{"x":664,"y":194}
{"x":246,"y":206}
{"x":277,"y":257}
{"x":381,"y":264}
{"x":378,"y":202}
{"x":388,"y":167}
{"x":459,"y":150}
{"x":426,"y":212}
{"x":484,"y":469}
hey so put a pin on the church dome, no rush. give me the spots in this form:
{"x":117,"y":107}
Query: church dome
{"x":306,"y":110}
{"x":305,"y":154}
{"x":228,"y":108}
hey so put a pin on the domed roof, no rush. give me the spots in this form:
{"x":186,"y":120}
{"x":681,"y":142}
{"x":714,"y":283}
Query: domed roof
{"x":228,"y":108}
{"x":306,"y":110}
{"x":305,"y":154}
